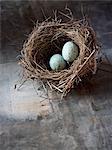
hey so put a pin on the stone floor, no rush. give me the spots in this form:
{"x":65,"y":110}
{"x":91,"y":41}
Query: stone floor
{"x":83,"y":121}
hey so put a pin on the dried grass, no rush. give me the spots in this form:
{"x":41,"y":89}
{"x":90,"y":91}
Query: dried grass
{"x":48,"y":38}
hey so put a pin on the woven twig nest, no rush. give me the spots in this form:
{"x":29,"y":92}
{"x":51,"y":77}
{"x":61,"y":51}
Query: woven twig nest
{"x":47,"y":39}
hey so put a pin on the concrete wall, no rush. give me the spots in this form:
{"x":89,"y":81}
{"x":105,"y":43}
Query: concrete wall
{"x":18,"y":16}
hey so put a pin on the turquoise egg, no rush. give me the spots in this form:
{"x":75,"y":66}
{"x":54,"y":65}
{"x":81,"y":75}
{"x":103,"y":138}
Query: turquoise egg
{"x":57,"y":62}
{"x":70,"y":51}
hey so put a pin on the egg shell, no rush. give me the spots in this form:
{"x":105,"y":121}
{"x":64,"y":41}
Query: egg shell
{"x":57,"y":62}
{"x":70,"y":51}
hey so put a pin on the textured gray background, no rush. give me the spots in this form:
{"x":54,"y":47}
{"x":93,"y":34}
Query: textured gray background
{"x":83,"y":121}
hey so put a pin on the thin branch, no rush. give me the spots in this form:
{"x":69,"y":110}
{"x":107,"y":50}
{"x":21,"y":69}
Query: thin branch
{"x":45,"y":17}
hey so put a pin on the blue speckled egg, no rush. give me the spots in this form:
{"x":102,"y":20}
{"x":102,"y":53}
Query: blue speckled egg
{"x":57,"y":62}
{"x":70,"y":51}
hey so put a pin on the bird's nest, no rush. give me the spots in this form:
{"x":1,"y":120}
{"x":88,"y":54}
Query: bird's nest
{"x":48,"y":38}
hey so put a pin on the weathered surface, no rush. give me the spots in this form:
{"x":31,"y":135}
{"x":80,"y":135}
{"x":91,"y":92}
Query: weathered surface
{"x":83,"y":121}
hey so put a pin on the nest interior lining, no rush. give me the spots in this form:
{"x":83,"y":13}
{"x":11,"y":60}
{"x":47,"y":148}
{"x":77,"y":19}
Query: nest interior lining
{"x":52,"y":47}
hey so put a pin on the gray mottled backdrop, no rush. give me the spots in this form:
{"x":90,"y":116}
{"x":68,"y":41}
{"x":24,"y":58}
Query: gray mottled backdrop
{"x":81,"y":122}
